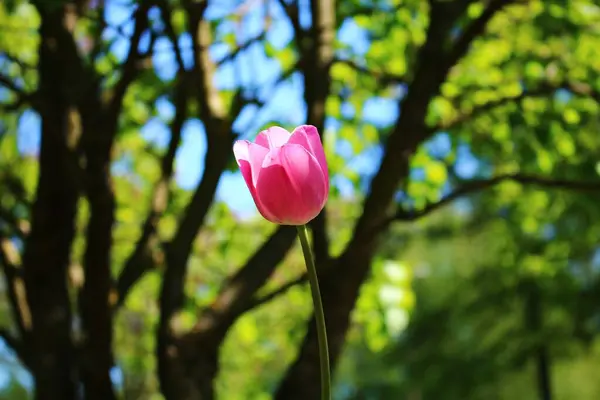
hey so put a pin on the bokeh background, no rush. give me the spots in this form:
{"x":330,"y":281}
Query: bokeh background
{"x":458,"y":253}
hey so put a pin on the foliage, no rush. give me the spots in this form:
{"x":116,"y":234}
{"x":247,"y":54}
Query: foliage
{"x":460,"y":240}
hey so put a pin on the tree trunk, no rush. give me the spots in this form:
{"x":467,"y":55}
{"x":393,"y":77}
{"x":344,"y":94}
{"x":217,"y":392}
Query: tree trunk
{"x":340,"y":290}
{"x":535,"y":323}
{"x":174,"y":369}
{"x":543,"y":373}
{"x":47,"y":250}
{"x":339,"y":293}
{"x":96,"y":360}
{"x":188,"y":367}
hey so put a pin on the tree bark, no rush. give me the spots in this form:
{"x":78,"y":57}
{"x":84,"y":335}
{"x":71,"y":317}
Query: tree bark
{"x":96,"y":314}
{"x":543,"y":373}
{"x":535,"y":324}
{"x":340,"y":292}
{"x":171,"y":366}
{"x":176,"y":374}
{"x":47,"y":250}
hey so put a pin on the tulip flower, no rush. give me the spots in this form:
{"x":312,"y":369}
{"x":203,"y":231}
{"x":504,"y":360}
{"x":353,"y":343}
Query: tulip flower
{"x":286,"y":173}
{"x":288,"y":180}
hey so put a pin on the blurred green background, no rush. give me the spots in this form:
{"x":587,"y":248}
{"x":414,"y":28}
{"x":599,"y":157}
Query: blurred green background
{"x":459,"y":250}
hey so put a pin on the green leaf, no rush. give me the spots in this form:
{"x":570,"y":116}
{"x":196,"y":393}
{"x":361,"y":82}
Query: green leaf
{"x":179,"y":20}
{"x":436,"y":172}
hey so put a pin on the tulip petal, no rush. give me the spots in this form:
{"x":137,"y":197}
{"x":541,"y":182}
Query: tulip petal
{"x":257,"y":157}
{"x":249,"y":157}
{"x":291,"y":185}
{"x":273,"y":137}
{"x":253,"y":155}
{"x":308,"y":137}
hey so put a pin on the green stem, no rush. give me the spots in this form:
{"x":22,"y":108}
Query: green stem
{"x":319,"y":315}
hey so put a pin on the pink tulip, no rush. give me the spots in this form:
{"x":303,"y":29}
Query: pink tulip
{"x":286,"y":173}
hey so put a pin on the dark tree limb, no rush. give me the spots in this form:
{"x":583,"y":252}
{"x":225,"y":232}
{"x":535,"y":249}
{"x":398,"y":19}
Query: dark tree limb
{"x":130,"y":68}
{"x":384,"y":78}
{"x":22,"y":64}
{"x":12,"y":342}
{"x":47,"y":252}
{"x":13,"y":106}
{"x":231,"y":56}
{"x":534,"y":322}
{"x":100,"y":124}
{"x":317,"y":60}
{"x":219,"y":137}
{"x":464,"y":190}
{"x":204,"y":341}
{"x":478,"y":185}
{"x":490,"y":106}
{"x":11,"y":85}
{"x":259,"y":301}
{"x":302,"y":379}
{"x":293,"y":13}
{"x":339,"y":295}
{"x":148,"y":250}
{"x":165,"y":13}
{"x":17,"y":226}
{"x":542,"y":91}
{"x":22,"y":97}
{"x":475,"y":29}
{"x":238,"y":291}
{"x":94,"y":298}
{"x":199,"y":348}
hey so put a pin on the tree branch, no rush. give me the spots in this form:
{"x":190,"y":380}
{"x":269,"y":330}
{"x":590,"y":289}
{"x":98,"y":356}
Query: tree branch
{"x":130,"y":67}
{"x":408,"y":133}
{"x":11,"y":85}
{"x":219,"y":138}
{"x":316,"y":49}
{"x":259,"y":301}
{"x":18,"y":227}
{"x":292,"y":12}
{"x":482,"y":184}
{"x":382,"y":77}
{"x":22,"y":64}
{"x":165,"y":12}
{"x":100,"y":125}
{"x":242,"y":47}
{"x":22,"y":96}
{"x":47,"y":252}
{"x":15,"y":344}
{"x":545,"y":89}
{"x":12,"y":107}
{"x":317,"y":57}
{"x":236,"y":294}
{"x":474,"y":30}
{"x":146,"y":253}
{"x":96,"y":357}
{"x":489,"y":106}
{"x":10,"y":340}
